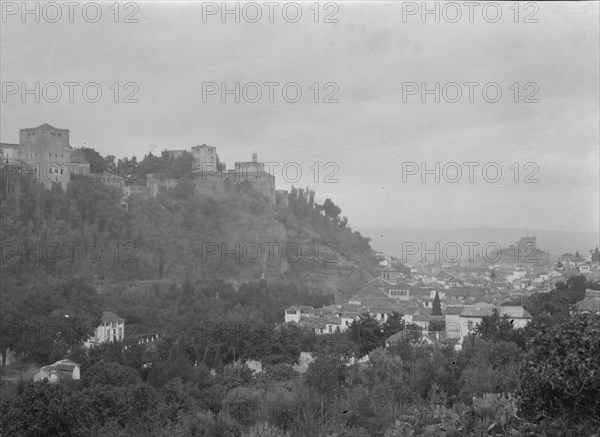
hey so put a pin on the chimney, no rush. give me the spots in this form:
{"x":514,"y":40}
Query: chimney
{"x":254,"y":157}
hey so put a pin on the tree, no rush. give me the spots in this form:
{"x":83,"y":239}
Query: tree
{"x":394,"y":323}
{"x":367,"y":333}
{"x":330,"y":209}
{"x":437,"y":307}
{"x":110,"y":373}
{"x":556,"y":303}
{"x":497,"y":328}
{"x":488,"y":366}
{"x":559,"y":377}
{"x":327,"y":374}
{"x":184,"y":189}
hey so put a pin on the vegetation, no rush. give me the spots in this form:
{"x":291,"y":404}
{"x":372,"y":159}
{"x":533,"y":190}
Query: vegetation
{"x":499,"y":383}
{"x":534,"y":381}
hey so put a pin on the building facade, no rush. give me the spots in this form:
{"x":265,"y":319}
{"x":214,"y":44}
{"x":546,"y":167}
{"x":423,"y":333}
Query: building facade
{"x":111,"y":329}
{"x":46,"y":152}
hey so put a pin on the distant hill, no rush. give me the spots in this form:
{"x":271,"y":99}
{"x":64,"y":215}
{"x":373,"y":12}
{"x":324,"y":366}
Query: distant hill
{"x":556,"y":242}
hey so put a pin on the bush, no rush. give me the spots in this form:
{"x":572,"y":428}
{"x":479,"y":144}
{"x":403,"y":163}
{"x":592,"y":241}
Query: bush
{"x":561,"y":374}
{"x":243,"y":404}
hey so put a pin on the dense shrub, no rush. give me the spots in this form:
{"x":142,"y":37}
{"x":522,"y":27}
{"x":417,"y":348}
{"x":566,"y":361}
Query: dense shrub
{"x":561,"y":374}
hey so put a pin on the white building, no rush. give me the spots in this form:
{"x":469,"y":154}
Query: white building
{"x":294,"y":313}
{"x":111,"y":329}
{"x":60,"y":370}
{"x":462,"y":320}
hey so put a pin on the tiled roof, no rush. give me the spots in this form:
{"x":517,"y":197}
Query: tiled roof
{"x":515,"y":312}
{"x":108,"y":317}
{"x":378,"y":283}
{"x":423,"y":312}
{"x":64,"y":365}
{"x":484,"y":309}
{"x":312,"y":324}
{"x":299,"y":308}
{"x":479,"y":310}
{"x":405,"y":309}
{"x":332,"y":320}
{"x":465,"y":292}
{"x":594,"y":294}
{"x":483,"y":299}
{"x":426,"y":318}
{"x":454,"y":310}
{"x":591,"y":305}
{"x":395,"y":338}
{"x":420,"y":292}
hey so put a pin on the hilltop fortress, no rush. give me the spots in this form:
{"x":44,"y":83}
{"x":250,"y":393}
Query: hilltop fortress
{"x":211,"y":177}
{"x":45,"y":151}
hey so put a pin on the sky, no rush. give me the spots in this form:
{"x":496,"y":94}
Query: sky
{"x":369,"y":133}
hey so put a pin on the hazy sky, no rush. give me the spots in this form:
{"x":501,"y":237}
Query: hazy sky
{"x":370,"y":132}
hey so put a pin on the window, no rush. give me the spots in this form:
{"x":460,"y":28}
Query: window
{"x":470,"y":325}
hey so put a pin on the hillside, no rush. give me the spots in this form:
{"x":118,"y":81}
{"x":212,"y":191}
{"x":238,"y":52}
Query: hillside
{"x":87,"y":233}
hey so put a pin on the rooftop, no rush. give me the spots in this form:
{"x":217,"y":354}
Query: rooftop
{"x":108,"y":317}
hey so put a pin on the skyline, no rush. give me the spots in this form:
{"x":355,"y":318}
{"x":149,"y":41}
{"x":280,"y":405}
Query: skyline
{"x":370,"y":133}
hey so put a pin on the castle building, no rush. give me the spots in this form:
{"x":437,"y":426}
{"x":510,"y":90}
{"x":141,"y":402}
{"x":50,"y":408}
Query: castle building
{"x":254,"y":172}
{"x":211,"y":177}
{"x":46,"y":151}
{"x":206,"y":159}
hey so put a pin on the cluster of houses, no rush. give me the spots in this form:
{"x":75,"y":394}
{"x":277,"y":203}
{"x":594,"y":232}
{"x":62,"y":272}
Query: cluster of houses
{"x":462,"y":308}
{"x":466,"y":294}
{"x":461,"y":312}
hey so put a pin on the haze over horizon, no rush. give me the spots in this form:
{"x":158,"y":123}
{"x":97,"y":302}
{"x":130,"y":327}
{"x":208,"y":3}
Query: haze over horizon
{"x":390,"y":240}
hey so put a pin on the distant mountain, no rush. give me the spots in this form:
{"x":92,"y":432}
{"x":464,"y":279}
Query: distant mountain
{"x":556,"y":242}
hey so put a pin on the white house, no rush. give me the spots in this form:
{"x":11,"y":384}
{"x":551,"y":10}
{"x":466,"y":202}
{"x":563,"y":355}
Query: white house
{"x":462,"y":320}
{"x":294,"y":313}
{"x":60,"y":370}
{"x":111,"y":329}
